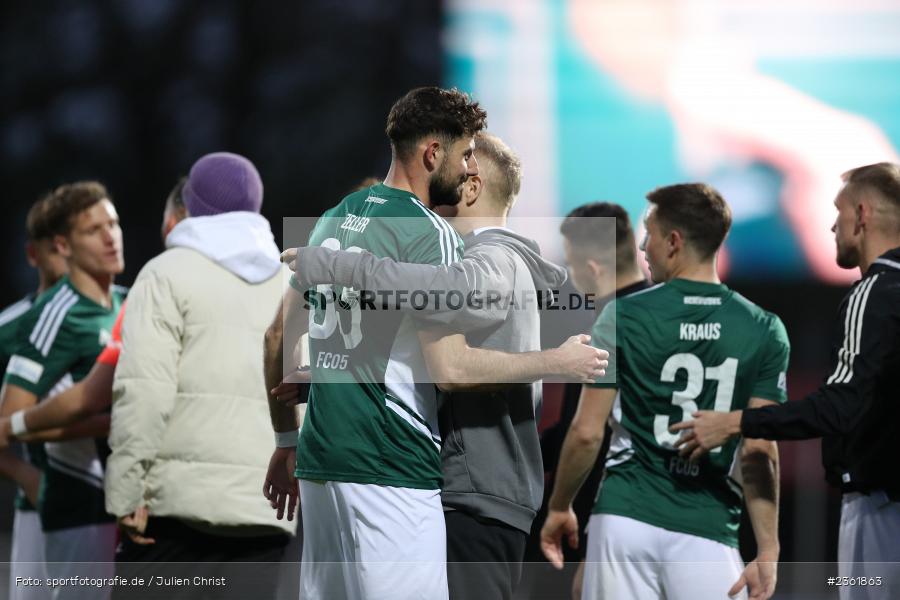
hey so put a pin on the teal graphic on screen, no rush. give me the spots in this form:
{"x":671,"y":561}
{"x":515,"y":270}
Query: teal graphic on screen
{"x":769,"y":102}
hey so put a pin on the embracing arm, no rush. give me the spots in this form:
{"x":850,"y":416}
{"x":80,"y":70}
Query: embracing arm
{"x":483,"y":273}
{"x":89,"y":427}
{"x":65,"y":416}
{"x":455,"y":366}
{"x":87,"y":397}
{"x":315,"y":265}
{"x":14,"y":398}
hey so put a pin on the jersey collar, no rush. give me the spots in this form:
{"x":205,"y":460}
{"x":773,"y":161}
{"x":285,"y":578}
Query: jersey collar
{"x":886,"y":262}
{"x":697,"y":287}
{"x":381,"y":190}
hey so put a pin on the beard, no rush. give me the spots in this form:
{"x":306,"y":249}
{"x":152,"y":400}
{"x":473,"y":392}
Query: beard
{"x":444,"y":191}
{"x":847,"y":257}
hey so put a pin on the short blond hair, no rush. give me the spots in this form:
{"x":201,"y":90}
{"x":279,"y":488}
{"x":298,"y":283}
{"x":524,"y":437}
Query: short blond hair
{"x":884,"y":179}
{"x":505,"y":165}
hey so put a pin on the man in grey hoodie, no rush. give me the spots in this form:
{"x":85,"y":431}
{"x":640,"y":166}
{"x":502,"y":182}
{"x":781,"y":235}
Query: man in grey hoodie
{"x":491,"y":456}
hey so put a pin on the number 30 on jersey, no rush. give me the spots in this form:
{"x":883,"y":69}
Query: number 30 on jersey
{"x":331,"y":321}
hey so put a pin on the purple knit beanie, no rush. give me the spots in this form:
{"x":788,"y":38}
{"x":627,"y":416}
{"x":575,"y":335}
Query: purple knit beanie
{"x":222,"y":182}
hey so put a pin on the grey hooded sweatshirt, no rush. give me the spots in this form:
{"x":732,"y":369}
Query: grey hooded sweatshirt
{"x":491,"y":455}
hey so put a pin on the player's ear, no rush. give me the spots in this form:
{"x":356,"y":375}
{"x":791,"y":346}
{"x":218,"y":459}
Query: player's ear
{"x":432,"y":154}
{"x":674,"y":241}
{"x":864,"y":213}
{"x":61,"y":243}
{"x":472,"y":189}
{"x":596,"y":268}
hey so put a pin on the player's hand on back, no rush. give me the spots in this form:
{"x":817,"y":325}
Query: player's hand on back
{"x":759,"y":577}
{"x":559,"y":523}
{"x":581,"y":361}
{"x":709,"y":429}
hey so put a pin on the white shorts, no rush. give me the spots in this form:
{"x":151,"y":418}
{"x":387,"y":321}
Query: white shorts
{"x":869,"y":545}
{"x":27,"y":556}
{"x":87,"y":551}
{"x":631,"y":560}
{"x":372,"y":542}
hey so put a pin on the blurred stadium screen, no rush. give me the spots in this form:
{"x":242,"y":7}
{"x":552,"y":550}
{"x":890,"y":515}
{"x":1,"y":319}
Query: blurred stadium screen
{"x":768,"y":101}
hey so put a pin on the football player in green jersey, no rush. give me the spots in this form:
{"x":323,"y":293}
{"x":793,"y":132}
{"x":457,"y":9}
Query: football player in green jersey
{"x":93,"y":394}
{"x":27,"y":555}
{"x":485,"y":433}
{"x":61,"y":336}
{"x":685,"y":344}
{"x":368,"y":456}
{"x":50,"y":266}
{"x":367,"y":460}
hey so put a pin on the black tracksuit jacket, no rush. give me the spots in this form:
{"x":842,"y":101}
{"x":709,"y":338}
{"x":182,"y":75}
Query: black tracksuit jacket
{"x":857,"y":409}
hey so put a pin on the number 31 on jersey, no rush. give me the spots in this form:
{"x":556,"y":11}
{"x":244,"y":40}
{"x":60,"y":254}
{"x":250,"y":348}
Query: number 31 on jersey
{"x":724,"y":374}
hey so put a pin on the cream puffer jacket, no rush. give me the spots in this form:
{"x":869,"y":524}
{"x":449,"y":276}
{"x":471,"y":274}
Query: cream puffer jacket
{"x":190,"y":434}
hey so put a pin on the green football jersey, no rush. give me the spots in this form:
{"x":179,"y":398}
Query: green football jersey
{"x":371,"y":418}
{"x":674,"y":349}
{"x":10,"y":319}
{"x":59,"y":339}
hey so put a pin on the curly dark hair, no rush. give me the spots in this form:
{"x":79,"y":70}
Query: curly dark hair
{"x":449,"y":114}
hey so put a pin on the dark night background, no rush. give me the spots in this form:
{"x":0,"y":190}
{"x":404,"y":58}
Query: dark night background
{"x":133,"y":92}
